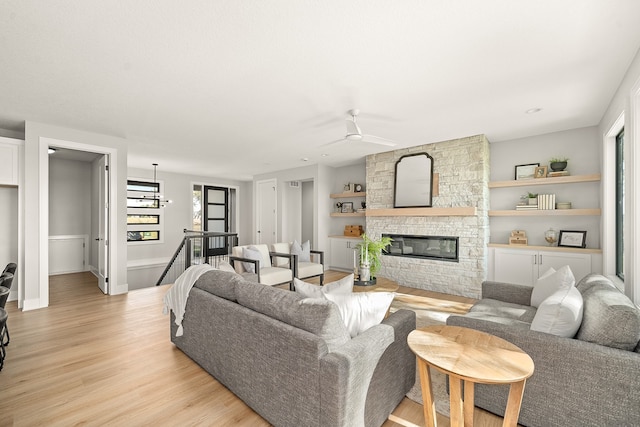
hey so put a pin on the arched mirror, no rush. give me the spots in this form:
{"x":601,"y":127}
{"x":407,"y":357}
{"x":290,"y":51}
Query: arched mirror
{"x":414,"y":181}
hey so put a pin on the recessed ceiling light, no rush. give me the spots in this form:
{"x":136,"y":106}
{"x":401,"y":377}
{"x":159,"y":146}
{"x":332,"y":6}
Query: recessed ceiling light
{"x":533,"y":110}
{"x":304,"y":159}
{"x":52,"y":150}
{"x":325,"y":155}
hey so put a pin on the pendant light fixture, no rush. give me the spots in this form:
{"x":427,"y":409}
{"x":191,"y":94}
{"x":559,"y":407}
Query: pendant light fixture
{"x":156,"y":190}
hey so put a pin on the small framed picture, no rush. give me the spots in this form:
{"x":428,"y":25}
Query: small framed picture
{"x":348,"y":187}
{"x":572,"y":239}
{"x":347,"y":207}
{"x":541,"y":172}
{"x":526,"y":171}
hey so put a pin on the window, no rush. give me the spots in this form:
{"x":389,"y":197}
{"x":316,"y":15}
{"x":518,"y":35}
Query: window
{"x":620,"y":190}
{"x":144,"y":212}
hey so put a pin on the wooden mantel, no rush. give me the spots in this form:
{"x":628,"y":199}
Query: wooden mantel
{"x":455,"y":211}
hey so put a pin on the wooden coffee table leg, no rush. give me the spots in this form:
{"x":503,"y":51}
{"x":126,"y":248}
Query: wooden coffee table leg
{"x":513,"y":404}
{"x":455,"y":401}
{"x":427,"y":395}
{"x":469,"y":403}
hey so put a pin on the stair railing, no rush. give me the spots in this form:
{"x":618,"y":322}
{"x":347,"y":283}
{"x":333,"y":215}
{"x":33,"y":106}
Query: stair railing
{"x":198,"y":247}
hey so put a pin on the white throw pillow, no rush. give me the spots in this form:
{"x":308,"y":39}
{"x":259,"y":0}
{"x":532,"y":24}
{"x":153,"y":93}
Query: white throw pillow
{"x":225,"y":266}
{"x":309,"y":290}
{"x":362,"y":310}
{"x":560,"y":314}
{"x":551,"y":282}
{"x":251,"y":253}
{"x":303,"y":251}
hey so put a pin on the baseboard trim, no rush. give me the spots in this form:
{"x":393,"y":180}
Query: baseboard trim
{"x":141,"y":264}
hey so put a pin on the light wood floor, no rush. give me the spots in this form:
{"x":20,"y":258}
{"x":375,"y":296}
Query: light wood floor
{"x":94,"y":359}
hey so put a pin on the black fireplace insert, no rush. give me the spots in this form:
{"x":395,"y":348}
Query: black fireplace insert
{"x":444,"y":248}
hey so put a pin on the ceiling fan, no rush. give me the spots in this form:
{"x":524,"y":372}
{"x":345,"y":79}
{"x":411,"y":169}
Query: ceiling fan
{"x":354,"y":133}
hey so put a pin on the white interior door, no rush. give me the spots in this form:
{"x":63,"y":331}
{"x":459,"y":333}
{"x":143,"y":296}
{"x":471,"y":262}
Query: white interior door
{"x":266,"y":196}
{"x":103,"y":224}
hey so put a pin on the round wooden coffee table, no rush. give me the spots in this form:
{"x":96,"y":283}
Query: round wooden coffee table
{"x":473,"y":357}
{"x":382,"y":285}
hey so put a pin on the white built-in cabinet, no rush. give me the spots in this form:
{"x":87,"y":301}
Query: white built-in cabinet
{"x":524,"y":266}
{"x":9,"y":162}
{"x":342,"y":250}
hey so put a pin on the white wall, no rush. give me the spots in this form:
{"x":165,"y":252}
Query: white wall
{"x":581,"y":146}
{"x":291,"y":213}
{"x":36,"y":205}
{"x":8,"y":226}
{"x":625,"y":101}
{"x":147,"y":261}
{"x":308,"y":207}
{"x":305,"y":173}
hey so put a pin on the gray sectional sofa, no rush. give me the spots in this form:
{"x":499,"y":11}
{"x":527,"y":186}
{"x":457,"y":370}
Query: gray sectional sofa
{"x":291,"y":359}
{"x":592,"y":379}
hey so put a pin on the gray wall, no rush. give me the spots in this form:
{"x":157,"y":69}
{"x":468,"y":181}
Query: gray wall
{"x":581,"y":146}
{"x":69,"y":197}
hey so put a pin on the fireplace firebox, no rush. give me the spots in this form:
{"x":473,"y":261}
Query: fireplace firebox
{"x":443,"y":248}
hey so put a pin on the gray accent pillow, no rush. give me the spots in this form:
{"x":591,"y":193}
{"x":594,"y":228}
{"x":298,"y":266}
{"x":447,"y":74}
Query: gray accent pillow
{"x":303,"y":251}
{"x":251,"y":253}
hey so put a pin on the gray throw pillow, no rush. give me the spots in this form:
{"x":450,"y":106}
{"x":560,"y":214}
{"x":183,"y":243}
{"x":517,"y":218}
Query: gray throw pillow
{"x":303,"y":251}
{"x":251,"y":253}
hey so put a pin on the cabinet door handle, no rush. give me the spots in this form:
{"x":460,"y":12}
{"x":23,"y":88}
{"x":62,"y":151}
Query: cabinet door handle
{"x":540,"y":259}
{"x":535,"y":259}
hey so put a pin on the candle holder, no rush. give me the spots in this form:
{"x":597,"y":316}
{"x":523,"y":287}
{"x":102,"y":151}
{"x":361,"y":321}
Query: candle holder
{"x":364,"y":278}
{"x":365,"y":273}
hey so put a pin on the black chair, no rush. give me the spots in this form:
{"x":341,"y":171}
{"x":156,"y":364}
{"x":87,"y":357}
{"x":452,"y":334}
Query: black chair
{"x":6,"y":279}
{"x":10,"y":268}
{"x":4,"y":294}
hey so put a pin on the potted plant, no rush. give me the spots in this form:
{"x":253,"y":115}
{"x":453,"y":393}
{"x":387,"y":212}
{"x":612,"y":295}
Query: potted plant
{"x":533,"y":198}
{"x":558,"y":163}
{"x":372,"y":250}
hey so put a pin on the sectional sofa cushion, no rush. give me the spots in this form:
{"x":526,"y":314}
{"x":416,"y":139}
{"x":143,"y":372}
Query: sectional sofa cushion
{"x":610,"y":317}
{"x":318,"y":316}
{"x":507,"y":310}
{"x":220,"y":283}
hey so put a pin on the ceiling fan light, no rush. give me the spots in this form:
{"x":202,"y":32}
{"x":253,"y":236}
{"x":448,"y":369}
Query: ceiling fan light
{"x":354,"y":137}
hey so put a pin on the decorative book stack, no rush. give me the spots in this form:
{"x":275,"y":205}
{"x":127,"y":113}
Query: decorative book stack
{"x":558,"y":173}
{"x":546,"y":201}
{"x":527,"y":207}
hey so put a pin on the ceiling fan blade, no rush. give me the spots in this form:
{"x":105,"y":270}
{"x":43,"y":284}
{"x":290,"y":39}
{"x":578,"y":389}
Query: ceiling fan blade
{"x":352,"y":127}
{"x":334,"y":142}
{"x":378,"y":140}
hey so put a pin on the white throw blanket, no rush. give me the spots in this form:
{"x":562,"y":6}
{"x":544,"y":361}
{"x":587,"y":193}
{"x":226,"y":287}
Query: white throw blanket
{"x":176,"y":298}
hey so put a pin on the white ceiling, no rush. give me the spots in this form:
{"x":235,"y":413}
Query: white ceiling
{"x":238,"y":88}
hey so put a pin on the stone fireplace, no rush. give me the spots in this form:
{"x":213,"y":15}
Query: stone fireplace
{"x":462,"y":169}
